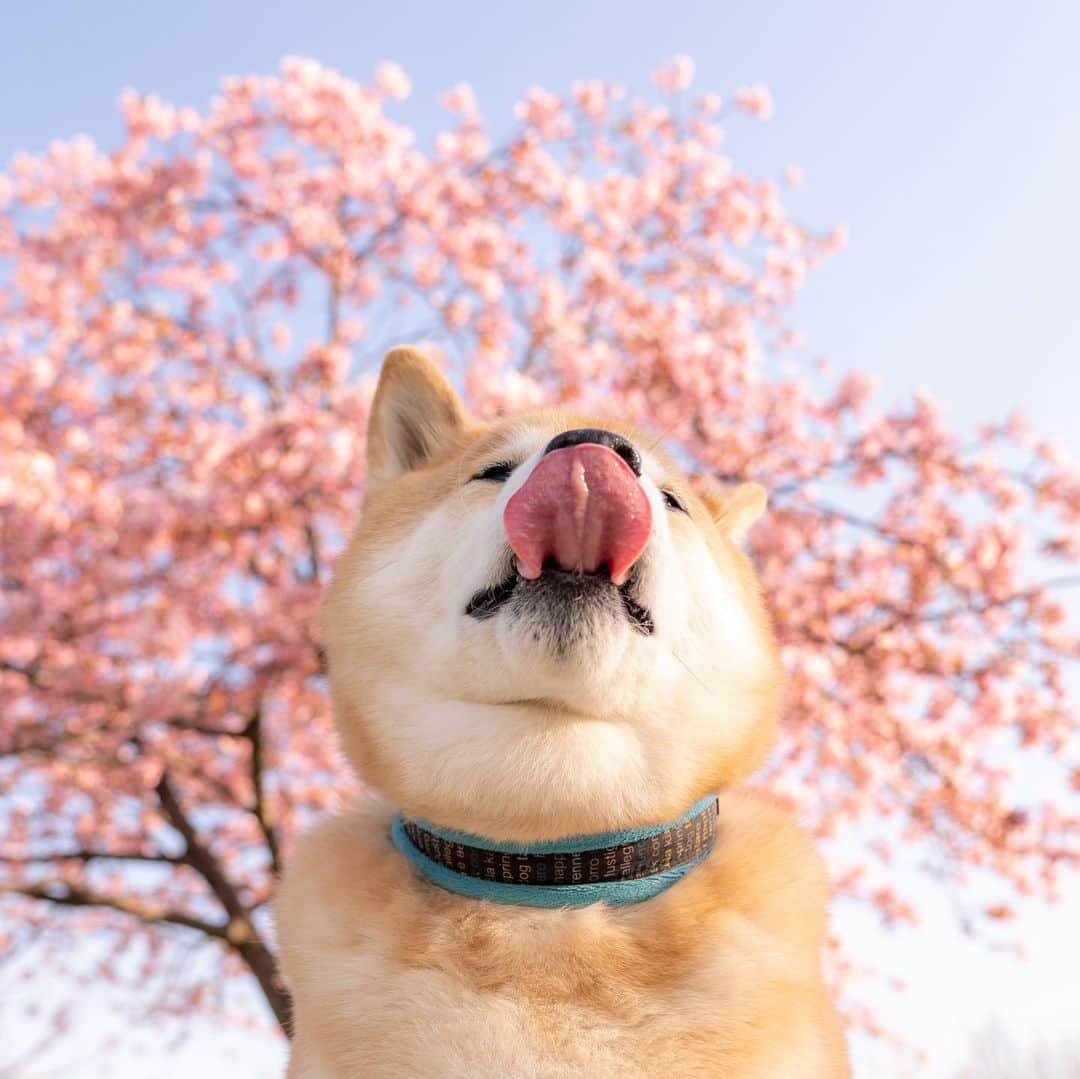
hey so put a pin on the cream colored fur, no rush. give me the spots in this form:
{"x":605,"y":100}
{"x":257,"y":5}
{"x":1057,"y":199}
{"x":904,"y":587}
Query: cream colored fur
{"x":475,"y":725}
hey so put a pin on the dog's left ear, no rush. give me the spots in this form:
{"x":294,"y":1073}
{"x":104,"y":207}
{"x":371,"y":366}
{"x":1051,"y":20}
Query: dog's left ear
{"x":736,"y":509}
{"x":415,"y":414}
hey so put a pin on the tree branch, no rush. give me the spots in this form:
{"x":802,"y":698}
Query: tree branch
{"x":78,"y":895}
{"x":240,"y":933}
{"x":253,"y":732}
{"x":89,"y":856}
{"x":312,"y":538}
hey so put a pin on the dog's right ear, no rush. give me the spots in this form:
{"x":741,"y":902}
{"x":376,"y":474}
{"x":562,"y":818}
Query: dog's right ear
{"x":415,"y":414}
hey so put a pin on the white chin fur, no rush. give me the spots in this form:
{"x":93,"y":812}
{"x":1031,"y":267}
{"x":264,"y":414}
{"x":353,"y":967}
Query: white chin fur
{"x":578,"y":678}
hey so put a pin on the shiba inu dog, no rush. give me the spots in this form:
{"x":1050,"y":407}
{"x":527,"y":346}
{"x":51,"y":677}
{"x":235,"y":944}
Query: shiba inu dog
{"x":550,"y":666}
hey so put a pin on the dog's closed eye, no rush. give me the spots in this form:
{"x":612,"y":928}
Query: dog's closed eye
{"x":671,"y":500}
{"x":496,"y":473}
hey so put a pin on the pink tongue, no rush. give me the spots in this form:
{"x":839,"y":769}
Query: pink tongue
{"x":583,"y":507}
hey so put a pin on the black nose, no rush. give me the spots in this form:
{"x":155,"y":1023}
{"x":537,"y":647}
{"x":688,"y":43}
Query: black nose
{"x":622,"y":446}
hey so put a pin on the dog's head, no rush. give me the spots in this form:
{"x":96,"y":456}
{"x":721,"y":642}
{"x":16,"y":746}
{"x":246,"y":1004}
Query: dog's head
{"x":539,"y":629}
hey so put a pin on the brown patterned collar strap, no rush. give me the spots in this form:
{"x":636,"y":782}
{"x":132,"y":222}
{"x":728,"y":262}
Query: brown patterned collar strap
{"x":614,"y":867}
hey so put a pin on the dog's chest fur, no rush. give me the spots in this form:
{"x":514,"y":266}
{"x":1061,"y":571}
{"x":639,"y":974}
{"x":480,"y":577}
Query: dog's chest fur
{"x":718,"y":976}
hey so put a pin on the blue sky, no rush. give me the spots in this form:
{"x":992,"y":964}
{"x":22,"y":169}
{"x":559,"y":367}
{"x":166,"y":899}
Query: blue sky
{"x":946,"y":136}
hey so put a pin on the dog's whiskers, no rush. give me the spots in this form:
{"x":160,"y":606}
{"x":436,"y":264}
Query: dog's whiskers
{"x":377,"y":570}
{"x":665,"y":432}
{"x":690,"y":671}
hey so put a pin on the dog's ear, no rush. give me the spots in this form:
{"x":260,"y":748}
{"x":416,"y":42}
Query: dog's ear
{"x":415,"y":414}
{"x":736,"y":509}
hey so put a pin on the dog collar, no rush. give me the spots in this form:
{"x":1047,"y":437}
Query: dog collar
{"x":610,"y":867}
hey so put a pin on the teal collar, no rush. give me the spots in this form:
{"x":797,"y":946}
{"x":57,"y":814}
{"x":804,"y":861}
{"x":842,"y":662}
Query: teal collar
{"x":628,"y":866}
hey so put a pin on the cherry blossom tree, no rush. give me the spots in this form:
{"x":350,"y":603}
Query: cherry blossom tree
{"x":189,"y":328}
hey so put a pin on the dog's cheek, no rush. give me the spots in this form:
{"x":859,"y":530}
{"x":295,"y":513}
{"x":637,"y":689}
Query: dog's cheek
{"x":666,"y":586}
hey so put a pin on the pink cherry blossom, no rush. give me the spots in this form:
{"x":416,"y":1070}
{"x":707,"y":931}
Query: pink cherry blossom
{"x":756,"y":100}
{"x":393,"y":81}
{"x":676,"y":75}
{"x":460,"y":98}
